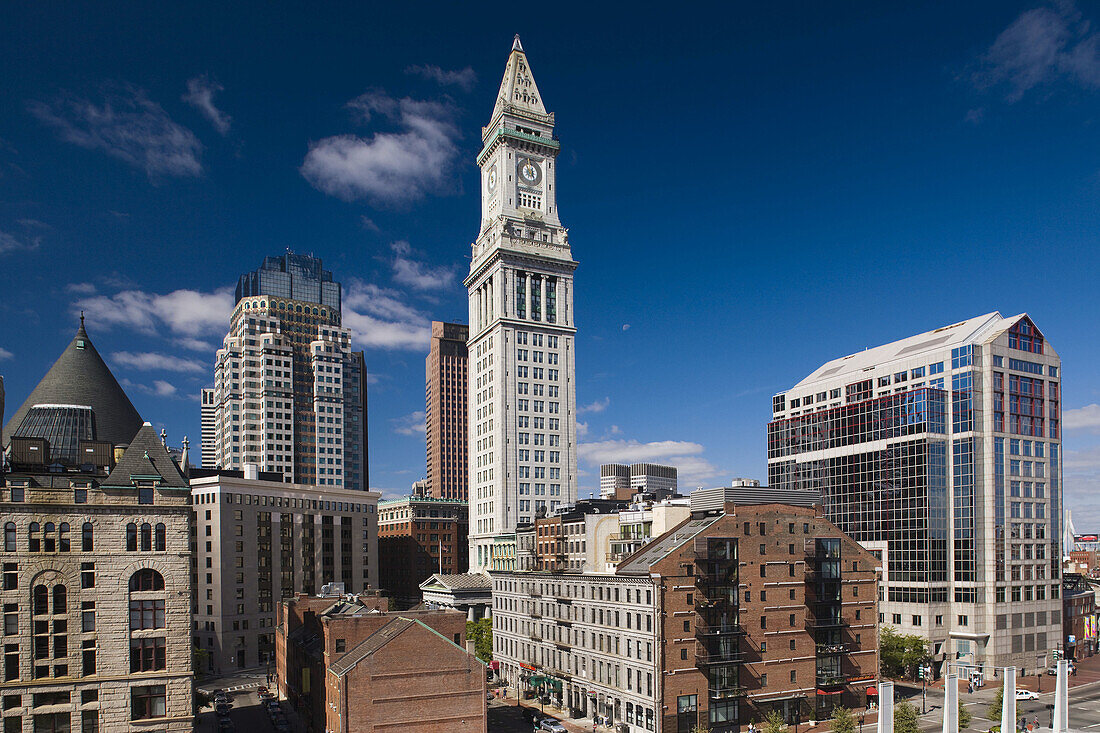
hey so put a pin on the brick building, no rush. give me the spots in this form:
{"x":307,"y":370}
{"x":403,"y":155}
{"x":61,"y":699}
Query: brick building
{"x":420,"y":535}
{"x":729,"y":615}
{"x":445,"y":421}
{"x":347,"y":664}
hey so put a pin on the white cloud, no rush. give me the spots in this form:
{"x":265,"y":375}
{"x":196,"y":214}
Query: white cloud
{"x":389,"y":168}
{"x":369,"y":224}
{"x":626,"y":326}
{"x":160,"y":388}
{"x":149,"y":361}
{"x":692,"y":468}
{"x":163,"y":389}
{"x":200,"y":95}
{"x":597,"y":406}
{"x":186,"y":313}
{"x":81,"y":288}
{"x":379,"y":318}
{"x":416,"y":274}
{"x":1042,"y":46}
{"x":582,"y":429}
{"x":464,"y":79}
{"x":410,"y":424}
{"x":1081,"y":486}
{"x":5,"y":354}
{"x":13,"y":243}
{"x":128,"y":126}
{"x":1082,"y":418}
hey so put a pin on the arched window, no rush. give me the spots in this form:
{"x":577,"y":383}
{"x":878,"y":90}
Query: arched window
{"x":146,"y":579}
{"x":131,"y":537}
{"x":161,"y":538}
{"x":59,"y":597}
{"x":63,"y":537}
{"x":41,"y":598}
{"x":146,"y":537}
{"x":49,"y":544}
{"x":34,"y":541}
{"x":86,"y":537}
{"x":9,"y":537}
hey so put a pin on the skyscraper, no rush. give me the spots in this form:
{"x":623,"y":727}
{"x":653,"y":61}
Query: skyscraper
{"x":289,"y":392}
{"x":209,"y":428}
{"x":941,"y":454}
{"x":618,"y":481}
{"x":446,"y":368}
{"x":522,"y":390}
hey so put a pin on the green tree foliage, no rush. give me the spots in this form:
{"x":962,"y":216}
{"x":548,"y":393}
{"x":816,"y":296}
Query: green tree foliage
{"x":843,"y":721}
{"x":964,"y":716}
{"x":481,"y":633}
{"x":901,"y":654}
{"x":994,"y":711}
{"x":700,"y":728}
{"x":906,"y":718}
{"x":774,"y":723}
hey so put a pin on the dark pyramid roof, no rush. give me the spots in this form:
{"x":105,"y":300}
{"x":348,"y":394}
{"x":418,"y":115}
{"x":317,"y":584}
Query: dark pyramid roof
{"x":80,"y":377}
{"x":146,"y":456}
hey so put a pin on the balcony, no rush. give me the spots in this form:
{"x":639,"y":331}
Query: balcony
{"x":534,"y":593}
{"x":829,"y":622}
{"x":831,"y":680}
{"x":704,"y":629}
{"x":724,"y":692}
{"x":709,"y":659}
{"x":566,"y":601}
{"x":535,"y":614}
{"x":535,"y":637}
{"x":563,"y":645}
{"x":824,"y":650}
{"x":563,"y":622}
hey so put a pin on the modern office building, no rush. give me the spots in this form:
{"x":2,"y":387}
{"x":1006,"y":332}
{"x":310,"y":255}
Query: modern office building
{"x":209,"y":428}
{"x":522,"y":391}
{"x":727,"y":617}
{"x":96,"y":589}
{"x":419,"y":535}
{"x":446,"y":401}
{"x":289,"y":393}
{"x":942,"y":454}
{"x":257,"y":541}
{"x":618,"y":481}
{"x":77,"y":400}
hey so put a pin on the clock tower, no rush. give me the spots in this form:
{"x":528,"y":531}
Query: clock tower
{"x":522,"y":410}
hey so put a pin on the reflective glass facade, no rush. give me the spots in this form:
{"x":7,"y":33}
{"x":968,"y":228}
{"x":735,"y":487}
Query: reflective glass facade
{"x":63,"y":425}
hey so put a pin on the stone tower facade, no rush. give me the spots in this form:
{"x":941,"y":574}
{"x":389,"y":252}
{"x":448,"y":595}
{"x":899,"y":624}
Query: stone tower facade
{"x":522,"y":396}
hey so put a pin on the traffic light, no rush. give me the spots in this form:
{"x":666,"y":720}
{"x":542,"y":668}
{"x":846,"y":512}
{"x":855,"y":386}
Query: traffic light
{"x":1057,"y":654}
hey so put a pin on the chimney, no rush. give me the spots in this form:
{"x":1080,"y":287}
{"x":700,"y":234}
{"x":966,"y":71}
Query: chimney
{"x":251,"y":471}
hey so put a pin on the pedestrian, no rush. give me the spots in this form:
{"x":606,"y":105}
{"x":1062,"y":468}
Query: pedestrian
{"x":1036,"y":724}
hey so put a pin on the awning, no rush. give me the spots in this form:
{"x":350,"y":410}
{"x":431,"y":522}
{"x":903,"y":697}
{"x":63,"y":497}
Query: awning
{"x":872,"y":690}
{"x":829,"y":692}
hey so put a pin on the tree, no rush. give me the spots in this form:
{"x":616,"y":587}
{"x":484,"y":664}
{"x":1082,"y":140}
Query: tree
{"x":481,"y":633}
{"x":843,"y":721}
{"x":906,"y":718}
{"x":774,"y":723}
{"x":901,"y":654}
{"x":964,"y":716}
{"x":700,"y":728}
{"x":994,"y":711}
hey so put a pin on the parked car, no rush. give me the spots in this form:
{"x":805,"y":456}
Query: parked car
{"x":550,"y":725}
{"x":1022,"y":694}
{"x":1052,"y":671}
{"x":221,"y":710}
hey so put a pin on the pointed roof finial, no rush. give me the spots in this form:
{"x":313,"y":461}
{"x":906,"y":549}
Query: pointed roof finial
{"x":516,"y":45}
{"x":82,"y":315}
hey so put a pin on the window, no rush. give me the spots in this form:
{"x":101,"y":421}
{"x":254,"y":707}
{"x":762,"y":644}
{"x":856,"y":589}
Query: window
{"x":147,"y":655}
{"x":131,"y":537}
{"x":146,"y":579}
{"x":86,"y":537}
{"x":148,"y":702}
{"x":146,"y":614}
{"x":9,"y":537}
{"x":146,"y":537}
{"x":145,"y":495}
{"x":161,"y":538}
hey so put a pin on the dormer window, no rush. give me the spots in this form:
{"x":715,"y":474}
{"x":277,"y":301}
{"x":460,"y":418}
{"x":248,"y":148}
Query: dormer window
{"x":145,"y":494}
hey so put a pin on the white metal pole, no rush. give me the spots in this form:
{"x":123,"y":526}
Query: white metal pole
{"x":1008,"y":704}
{"x":1061,"y":698}
{"x":885,"y":707}
{"x":951,"y":704}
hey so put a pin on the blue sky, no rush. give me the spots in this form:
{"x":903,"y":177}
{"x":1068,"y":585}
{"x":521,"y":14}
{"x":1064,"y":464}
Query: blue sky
{"x":750,"y":191}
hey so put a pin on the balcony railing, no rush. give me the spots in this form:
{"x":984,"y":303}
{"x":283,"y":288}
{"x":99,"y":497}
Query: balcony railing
{"x":724,"y":692}
{"x":707,"y":659}
{"x":534,"y":593}
{"x":535,"y":614}
{"x":830,"y":680}
{"x":831,"y":649}
{"x":825,"y":623}
{"x":704,"y":629}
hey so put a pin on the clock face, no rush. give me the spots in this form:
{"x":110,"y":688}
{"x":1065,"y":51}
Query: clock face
{"x":491,"y":179}
{"x":529,"y":171}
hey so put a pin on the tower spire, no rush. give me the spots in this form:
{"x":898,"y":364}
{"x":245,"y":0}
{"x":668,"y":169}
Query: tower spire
{"x":518,"y":91}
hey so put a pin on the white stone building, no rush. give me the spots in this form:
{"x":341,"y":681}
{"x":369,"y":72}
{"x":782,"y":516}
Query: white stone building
{"x":522,"y":393}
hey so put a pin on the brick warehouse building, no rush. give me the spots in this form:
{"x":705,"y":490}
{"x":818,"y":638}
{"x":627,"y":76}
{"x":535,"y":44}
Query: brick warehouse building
{"x":418,"y":536}
{"x":726,"y":617}
{"x":347,"y":664}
